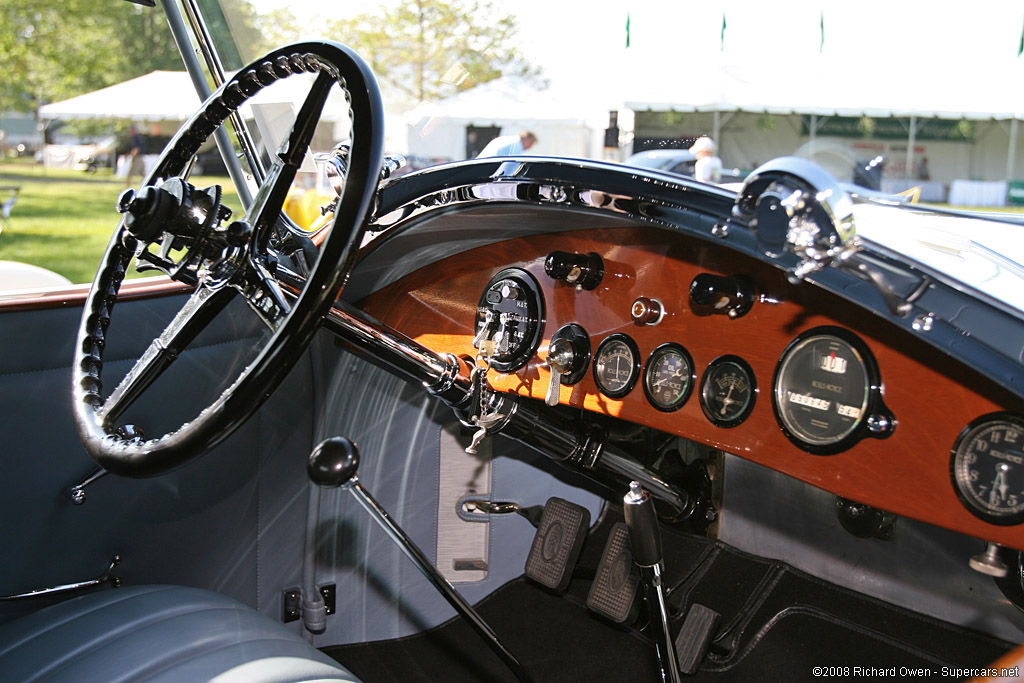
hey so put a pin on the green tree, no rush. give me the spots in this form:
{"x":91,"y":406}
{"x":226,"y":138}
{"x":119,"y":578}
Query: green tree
{"x":56,"y":50}
{"x":430,"y":49}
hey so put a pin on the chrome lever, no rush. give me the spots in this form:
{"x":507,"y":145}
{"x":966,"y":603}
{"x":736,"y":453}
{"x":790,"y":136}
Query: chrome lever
{"x":67,"y":587}
{"x":559,"y":361}
{"x":334,"y":463}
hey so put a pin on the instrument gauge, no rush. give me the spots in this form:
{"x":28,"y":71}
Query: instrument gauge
{"x":988,"y":468}
{"x":616,"y":366}
{"x":728,"y":391}
{"x":510,"y":317}
{"x":827,"y":392}
{"x":669,"y":377}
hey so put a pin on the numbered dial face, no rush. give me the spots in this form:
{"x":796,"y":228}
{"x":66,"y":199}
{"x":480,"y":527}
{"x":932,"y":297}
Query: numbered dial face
{"x":616,"y":366}
{"x":668,"y":377}
{"x":728,"y":391}
{"x":988,"y":468}
{"x":822,"y":390}
{"x":510,"y":319}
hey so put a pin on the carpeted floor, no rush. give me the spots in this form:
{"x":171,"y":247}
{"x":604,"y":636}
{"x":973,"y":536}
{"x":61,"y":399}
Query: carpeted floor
{"x":777,"y":624}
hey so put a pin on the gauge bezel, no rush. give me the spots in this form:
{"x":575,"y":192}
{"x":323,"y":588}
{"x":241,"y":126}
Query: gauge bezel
{"x":580,"y":341}
{"x":648,"y":367}
{"x":875,"y":410}
{"x":534,"y":290}
{"x":965,"y":498}
{"x":741,"y":417}
{"x":634,"y":373}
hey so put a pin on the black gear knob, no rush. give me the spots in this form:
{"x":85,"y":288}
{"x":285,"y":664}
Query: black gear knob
{"x":333,"y":463}
{"x":642,"y":521}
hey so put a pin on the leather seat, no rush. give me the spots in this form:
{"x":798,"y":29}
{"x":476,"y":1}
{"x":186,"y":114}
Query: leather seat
{"x":158,"y":633}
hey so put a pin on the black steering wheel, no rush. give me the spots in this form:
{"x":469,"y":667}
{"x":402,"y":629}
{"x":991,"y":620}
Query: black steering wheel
{"x":222,"y":261}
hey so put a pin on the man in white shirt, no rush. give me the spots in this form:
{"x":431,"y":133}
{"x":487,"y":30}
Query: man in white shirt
{"x":708,"y":168}
{"x":508,"y":145}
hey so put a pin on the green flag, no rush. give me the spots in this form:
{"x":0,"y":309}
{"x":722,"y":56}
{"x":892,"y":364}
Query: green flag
{"x":821,"y":22}
{"x":1020,"y":48}
{"x":723,"y":32}
{"x":627,"y":29}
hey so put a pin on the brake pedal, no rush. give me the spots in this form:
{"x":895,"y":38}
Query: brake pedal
{"x":613,"y":594}
{"x":695,"y":637}
{"x":556,"y":547}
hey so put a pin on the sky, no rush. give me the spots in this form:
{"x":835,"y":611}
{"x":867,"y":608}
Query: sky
{"x":907,"y":46}
{"x":583,"y":39}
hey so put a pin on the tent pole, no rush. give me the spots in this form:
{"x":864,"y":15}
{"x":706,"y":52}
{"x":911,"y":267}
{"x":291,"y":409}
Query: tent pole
{"x":911,"y":141}
{"x":717,"y":134}
{"x":1011,"y":153}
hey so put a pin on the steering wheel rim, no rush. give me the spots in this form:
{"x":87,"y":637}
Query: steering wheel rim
{"x":246,"y":264}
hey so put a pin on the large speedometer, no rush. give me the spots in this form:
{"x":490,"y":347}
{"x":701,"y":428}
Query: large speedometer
{"x":827,"y":391}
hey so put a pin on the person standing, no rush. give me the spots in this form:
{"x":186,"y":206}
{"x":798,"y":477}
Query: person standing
{"x":508,"y":145}
{"x":136,"y":159}
{"x":708,"y":168}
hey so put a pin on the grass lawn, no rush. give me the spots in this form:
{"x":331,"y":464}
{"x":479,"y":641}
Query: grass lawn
{"x":63,"y":219}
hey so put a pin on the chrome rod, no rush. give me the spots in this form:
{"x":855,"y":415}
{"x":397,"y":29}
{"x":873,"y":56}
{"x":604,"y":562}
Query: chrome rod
{"x":216,"y":67}
{"x":68,"y":587}
{"x":528,"y":421}
{"x":195,"y":72}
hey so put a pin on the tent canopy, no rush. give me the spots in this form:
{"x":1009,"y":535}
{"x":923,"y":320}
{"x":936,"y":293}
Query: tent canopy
{"x":171,"y":96}
{"x":820,"y":88}
{"x":157,"y":96}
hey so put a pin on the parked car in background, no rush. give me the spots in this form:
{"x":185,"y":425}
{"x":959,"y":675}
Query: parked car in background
{"x":678,"y":161}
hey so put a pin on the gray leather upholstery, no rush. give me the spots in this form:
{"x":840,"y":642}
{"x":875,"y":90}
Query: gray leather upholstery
{"x":158,"y":633}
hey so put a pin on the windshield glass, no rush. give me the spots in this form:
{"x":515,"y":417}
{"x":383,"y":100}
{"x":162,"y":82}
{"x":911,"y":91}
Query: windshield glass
{"x":710,"y":91}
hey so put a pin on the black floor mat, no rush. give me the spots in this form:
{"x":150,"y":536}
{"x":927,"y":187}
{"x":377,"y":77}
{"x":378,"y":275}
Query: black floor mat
{"x":777,"y":625}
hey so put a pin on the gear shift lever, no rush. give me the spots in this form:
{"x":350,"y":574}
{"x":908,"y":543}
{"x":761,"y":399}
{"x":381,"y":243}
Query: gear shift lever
{"x":335,"y":463}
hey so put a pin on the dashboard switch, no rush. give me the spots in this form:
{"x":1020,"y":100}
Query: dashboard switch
{"x":647,"y":311}
{"x":580,"y":270}
{"x":560,"y":360}
{"x":733,"y":296}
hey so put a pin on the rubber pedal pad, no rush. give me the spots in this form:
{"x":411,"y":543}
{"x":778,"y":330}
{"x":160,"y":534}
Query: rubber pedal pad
{"x":614,"y":593}
{"x":557,"y":544}
{"x":695,"y":636}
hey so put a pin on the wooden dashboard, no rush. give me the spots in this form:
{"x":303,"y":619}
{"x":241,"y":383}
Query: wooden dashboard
{"x":931,"y":397}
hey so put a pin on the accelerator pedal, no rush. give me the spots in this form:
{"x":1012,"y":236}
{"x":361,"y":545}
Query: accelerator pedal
{"x":613,"y":594}
{"x":556,"y":547}
{"x":695,"y":637}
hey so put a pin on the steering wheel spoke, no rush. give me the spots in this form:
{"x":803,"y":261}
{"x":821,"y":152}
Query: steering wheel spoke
{"x":200,"y":309}
{"x":225,"y":259}
{"x":268,"y":201}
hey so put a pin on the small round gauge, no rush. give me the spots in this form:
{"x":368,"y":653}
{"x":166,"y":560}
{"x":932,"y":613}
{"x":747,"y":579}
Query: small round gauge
{"x":669,"y":377}
{"x":988,"y":468}
{"x":728,"y":391}
{"x":616,"y":366}
{"x":512,"y":311}
{"x":826,"y":387}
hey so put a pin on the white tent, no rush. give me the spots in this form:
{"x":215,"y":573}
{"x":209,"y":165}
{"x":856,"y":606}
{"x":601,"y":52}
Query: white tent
{"x":157,"y":96}
{"x":732,"y":94}
{"x":566,"y":122}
